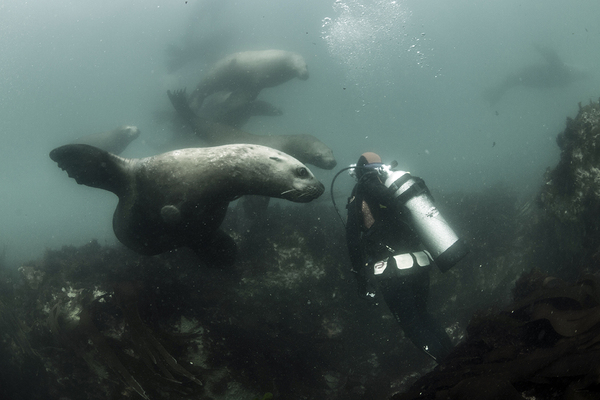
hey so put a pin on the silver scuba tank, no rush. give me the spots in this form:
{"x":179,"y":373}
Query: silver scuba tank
{"x":438,"y":237}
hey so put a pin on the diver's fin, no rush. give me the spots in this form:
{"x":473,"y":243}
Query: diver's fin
{"x":91,"y":166}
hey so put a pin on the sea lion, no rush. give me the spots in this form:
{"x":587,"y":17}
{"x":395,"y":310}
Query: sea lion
{"x":551,"y":73}
{"x":227,"y":109}
{"x":306,"y":148}
{"x":179,"y":199}
{"x":249,"y":72}
{"x":114,"y":141}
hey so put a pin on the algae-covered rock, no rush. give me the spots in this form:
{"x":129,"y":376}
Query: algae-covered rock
{"x":570,"y":196}
{"x":572,"y":188}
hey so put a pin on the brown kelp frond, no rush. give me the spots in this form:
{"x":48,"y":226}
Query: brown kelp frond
{"x":78,"y":331}
{"x":107,"y":353}
{"x":149,"y":348}
{"x":15,"y":330}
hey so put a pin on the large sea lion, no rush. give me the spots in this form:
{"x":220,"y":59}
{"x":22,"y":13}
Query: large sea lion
{"x":114,"y":141}
{"x":248,"y":72}
{"x":179,"y":198}
{"x":306,"y":148}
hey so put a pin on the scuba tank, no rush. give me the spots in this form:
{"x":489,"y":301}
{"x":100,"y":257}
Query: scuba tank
{"x":437,"y":236}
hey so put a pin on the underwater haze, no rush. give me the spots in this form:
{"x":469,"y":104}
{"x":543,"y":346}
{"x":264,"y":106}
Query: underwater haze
{"x":406,"y":79}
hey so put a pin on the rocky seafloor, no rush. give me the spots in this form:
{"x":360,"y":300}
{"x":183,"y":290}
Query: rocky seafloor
{"x":101,"y":322}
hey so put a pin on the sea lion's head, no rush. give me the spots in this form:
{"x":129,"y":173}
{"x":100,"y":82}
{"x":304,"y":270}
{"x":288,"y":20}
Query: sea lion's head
{"x":310,"y":150}
{"x":280,"y":175}
{"x":299,"y":65}
{"x":130,"y":132}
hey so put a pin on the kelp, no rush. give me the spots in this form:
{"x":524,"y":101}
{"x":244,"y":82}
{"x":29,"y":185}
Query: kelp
{"x":150,"y":349}
{"x":13,"y":329}
{"x":81,"y":334}
{"x":20,"y":362}
{"x":78,"y":338}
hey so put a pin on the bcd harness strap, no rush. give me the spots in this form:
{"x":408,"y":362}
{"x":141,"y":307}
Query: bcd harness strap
{"x":405,"y":262}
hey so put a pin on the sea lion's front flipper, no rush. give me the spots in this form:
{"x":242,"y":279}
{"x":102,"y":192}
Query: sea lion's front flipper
{"x":91,"y":166}
{"x":170,"y":214}
{"x":219,"y":251}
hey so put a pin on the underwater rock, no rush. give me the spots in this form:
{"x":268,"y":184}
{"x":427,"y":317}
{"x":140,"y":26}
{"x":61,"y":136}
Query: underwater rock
{"x":570,"y":196}
{"x":544,"y":345}
{"x":572,"y":188}
{"x":33,"y":277}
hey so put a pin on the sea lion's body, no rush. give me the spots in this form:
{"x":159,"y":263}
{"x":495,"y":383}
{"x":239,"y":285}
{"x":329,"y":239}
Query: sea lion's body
{"x":306,"y":148}
{"x":223,"y":108}
{"x":114,"y":141}
{"x":179,"y":198}
{"x":248,"y":72}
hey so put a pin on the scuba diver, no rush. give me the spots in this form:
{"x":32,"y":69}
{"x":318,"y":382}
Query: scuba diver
{"x":394,"y":235}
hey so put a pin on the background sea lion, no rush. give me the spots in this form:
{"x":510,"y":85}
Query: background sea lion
{"x":115,"y":141}
{"x":550,"y":73}
{"x":306,"y":148}
{"x":220,"y":107}
{"x":246,"y":73}
{"x":179,"y":198}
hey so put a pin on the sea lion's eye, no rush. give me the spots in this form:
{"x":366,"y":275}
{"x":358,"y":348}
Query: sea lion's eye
{"x":302,"y":172}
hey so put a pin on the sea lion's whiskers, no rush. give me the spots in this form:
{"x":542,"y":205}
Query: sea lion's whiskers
{"x":287,"y":191}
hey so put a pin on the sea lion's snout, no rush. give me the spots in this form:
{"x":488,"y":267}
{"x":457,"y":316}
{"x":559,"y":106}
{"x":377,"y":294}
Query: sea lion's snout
{"x":131,"y":131}
{"x":319,"y":189}
{"x":307,"y":187}
{"x":326,"y":162}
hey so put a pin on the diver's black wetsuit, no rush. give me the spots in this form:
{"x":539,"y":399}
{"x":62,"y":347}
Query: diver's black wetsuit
{"x":375,"y":231}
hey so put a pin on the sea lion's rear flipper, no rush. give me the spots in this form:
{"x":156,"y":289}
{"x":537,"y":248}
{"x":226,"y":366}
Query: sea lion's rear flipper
{"x":182,"y":106}
{"x":91,"y":166}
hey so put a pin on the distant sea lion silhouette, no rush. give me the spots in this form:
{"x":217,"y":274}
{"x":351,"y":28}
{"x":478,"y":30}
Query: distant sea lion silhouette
{"x":180,"y":198}
{"x":553,"y":72}
{"x":246,"y":73}
{"x":306,"y":148}
{"x":115,"y":141}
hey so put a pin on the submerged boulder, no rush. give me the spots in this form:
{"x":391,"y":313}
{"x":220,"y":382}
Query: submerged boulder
{"x":570,"y":196}
{"x":544,"y":345}
{"x":572,"y":188}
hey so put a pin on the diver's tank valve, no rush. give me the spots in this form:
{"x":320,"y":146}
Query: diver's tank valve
{"x":439,"y":239}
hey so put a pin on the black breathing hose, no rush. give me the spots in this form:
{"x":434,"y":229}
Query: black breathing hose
{"x":331,"y":191}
